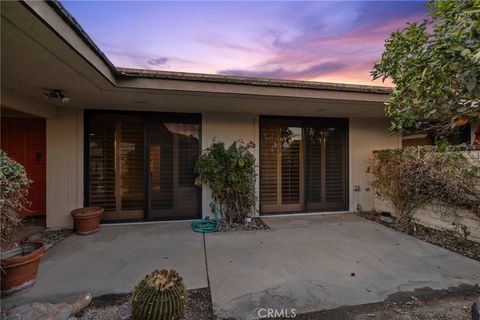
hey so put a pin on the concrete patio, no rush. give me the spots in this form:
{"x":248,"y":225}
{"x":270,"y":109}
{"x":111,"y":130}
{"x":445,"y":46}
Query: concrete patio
{"x":308,"y":263}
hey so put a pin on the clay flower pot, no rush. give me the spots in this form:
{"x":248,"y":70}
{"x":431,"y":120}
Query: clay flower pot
{"x":19,"y":267}
{"x":87,"y":220}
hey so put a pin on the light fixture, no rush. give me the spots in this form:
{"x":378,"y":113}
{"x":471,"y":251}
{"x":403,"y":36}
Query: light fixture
{"x":55,"y":94}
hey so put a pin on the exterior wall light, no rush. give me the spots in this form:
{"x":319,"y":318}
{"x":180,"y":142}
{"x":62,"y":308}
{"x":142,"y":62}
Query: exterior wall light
{"x":56,"y":94}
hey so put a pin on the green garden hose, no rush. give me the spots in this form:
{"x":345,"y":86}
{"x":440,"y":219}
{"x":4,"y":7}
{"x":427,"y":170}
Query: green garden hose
{"x":208,"y":225}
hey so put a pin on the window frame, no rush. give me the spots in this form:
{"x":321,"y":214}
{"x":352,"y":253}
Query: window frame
{"x":174,"y":117}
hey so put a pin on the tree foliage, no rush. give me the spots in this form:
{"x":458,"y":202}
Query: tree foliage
{"x":230,"y":174}
{"x":13,"y":191}
{"x":435,"y":66}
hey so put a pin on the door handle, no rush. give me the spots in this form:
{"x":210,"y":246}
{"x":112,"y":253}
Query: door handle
{"x":38,"y":156}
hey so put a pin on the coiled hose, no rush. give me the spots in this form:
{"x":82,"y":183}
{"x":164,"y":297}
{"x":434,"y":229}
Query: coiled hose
{"x":208,"y":225}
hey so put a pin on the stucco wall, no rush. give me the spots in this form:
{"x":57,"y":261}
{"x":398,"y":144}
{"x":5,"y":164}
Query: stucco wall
{"x":64,"y":167}
{"x":439,"y":216}
{"x":365,"y":136}
{"x":65,"y":156}
{"x":227,"y":128}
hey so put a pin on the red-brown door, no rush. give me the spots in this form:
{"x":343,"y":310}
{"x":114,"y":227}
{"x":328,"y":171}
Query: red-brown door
{"x":24,"y":140}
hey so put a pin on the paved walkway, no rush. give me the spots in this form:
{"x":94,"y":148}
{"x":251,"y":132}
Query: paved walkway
{"x":312,"y":263}
{"x":115,"y":259}
{"x":304,"y":262}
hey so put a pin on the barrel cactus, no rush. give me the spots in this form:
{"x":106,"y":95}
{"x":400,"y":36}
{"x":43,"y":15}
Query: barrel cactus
{"x":161,"y":295}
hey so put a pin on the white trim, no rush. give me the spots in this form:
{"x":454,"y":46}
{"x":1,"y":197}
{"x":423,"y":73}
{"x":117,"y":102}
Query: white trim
{"x":304,"y":214}
{"x":415,"y":136}
{"x":120,"y":223}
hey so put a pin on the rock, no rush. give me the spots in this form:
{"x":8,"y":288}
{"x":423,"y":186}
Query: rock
{"x":403,"y":317}
{"x":125,"y":311}
{"x":476,"y":310}
{"x":36,"y":236}
{"x":49,"y":311}
{"x":386,"y":219}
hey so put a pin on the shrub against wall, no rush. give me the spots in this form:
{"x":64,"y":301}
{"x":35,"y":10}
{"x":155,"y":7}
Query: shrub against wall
{"x":230,"y":174}
{"x":13,"y":191}
{"x":412,"y":177}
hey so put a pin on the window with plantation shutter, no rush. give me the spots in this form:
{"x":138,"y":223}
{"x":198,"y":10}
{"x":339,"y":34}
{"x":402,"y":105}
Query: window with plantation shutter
{"x":141,"y":165}
{"x":174,"y":150}
{"x":281,"y":165}
{"x":102,"y":159}
{"x":325,"y":148}
{"x":302,"y":164}
{"x":116,"y":165}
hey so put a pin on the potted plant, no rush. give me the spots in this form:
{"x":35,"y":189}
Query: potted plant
{"x":87,"y":220}
{"x":19,"y":263}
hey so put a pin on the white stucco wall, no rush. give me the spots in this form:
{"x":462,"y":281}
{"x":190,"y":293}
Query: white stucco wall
{"x":65,"y":157}
{"x":64,"y":167}
{"x":365,"y":136}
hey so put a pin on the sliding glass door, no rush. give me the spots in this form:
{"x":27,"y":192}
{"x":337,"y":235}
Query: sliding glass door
{"x":281,"y":161}
{"x":140,"y":165}
{"x":302,"y":164}
{"x":174,"y":149}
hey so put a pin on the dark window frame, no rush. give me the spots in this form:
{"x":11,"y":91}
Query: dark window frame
{"x":305,"y":120}
{"x":175,"y":117}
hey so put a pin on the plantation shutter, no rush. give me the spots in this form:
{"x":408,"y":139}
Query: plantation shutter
{"x":325,"y":153}
{"x":131,"y":188}
{"x":269,"y":166}
{"x":116,"y":165}
{"x":188,"y":151}
{"x":102,"y":160}
{"x":281,"y":162}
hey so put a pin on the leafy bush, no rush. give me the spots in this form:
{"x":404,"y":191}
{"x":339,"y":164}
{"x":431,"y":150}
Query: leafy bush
{"x":13,"y":191}
{"x":412,"y":177}
{"x":230,"y":174}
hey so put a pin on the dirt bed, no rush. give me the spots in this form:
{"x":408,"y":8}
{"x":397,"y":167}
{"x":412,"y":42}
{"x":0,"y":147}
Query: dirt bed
{"x":440,"y":238}
{"x":443,"y":306}
{"x":118,"y":307}
{"x":255,"y":224}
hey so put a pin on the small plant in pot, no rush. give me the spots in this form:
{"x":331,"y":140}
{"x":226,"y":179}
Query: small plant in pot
{"x":19,"y":263}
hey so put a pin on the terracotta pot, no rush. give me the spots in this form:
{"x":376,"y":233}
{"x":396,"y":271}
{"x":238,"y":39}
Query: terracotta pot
{"x":87,"y":220}
{"x":19,"y":267}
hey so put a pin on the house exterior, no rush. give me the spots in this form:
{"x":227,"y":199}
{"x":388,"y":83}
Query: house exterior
{"x":92,"y":134}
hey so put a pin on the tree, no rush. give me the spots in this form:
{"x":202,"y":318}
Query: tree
{"x":435,"y":67}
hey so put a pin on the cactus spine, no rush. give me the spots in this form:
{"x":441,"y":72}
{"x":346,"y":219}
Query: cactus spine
{"x":161,"y":295}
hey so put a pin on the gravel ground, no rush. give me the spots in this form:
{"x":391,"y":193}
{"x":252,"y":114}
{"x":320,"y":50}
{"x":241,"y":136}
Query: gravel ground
{"x":199,"y":307}
{"x":256,"y":224}
{"x":51,"y":237}
{"x":441,"y":306}
{"x":442,"y":239}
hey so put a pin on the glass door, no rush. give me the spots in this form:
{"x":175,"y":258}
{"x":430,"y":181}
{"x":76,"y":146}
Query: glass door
{"x":116,"y":165}
{"x":281,"y":162}
{"x":174,"y":150}
{"x":141,"y":165}
{"x":303,"y":164}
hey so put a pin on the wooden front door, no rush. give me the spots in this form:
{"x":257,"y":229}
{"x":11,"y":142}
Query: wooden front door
{"x":24,"y":140}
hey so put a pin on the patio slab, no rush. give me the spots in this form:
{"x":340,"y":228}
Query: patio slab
{"x":115,"y":259}
{"x":311,"y":263}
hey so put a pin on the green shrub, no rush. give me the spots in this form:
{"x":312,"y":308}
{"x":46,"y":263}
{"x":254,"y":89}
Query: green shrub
{"x":230,"y":174}
{"x":14,"y":184}
{"x":161,"y":295}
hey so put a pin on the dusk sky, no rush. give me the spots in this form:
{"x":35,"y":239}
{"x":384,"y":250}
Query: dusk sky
{"x":334,"y":41}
